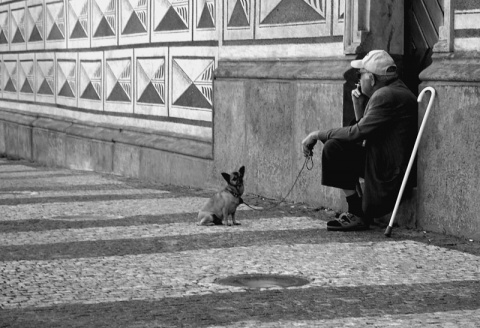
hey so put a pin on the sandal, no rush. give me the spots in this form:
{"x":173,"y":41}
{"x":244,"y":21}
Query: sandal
{"x":347,"y":222}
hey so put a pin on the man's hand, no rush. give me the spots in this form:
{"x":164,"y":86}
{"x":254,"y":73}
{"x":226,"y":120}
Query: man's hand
{"x":308,"y":143}
{"x":359,"y":102}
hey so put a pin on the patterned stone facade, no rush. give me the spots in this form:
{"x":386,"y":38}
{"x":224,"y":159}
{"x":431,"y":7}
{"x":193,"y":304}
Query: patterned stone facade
{"x":147,"y":60}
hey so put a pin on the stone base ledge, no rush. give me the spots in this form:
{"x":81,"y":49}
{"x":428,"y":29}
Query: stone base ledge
{"x":170,"y":142}
{"x":455,"y":67}
{"x":322,"y":69}
{"x":56,"y":141}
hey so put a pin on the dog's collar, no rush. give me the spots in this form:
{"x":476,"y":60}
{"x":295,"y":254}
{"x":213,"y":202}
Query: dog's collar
{"x":234,"y":194}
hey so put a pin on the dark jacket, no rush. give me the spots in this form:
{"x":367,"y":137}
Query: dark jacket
{"x":389,"y":128}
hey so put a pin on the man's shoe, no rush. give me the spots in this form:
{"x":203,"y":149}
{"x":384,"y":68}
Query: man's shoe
{"x":347,"y":222}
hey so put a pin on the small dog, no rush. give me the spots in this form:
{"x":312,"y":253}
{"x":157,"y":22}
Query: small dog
{"x":224,"y":202}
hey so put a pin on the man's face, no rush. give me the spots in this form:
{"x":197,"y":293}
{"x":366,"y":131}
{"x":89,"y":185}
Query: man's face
{"x":366,"y":81}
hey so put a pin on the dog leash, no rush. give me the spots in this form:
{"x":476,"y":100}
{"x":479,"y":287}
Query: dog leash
{"x":308,"y":159}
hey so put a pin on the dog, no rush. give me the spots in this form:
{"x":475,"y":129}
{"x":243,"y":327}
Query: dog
{"x":225,"y":202}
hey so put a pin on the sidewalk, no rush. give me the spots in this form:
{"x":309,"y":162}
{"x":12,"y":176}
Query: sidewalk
{"x":81,"y":249}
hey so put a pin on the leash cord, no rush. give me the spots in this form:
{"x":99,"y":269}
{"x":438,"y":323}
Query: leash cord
{"x":308,"y":160}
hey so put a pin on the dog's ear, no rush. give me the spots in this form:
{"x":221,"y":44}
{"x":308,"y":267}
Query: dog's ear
{"x":226,"y":176}
{"x":242,"y":171}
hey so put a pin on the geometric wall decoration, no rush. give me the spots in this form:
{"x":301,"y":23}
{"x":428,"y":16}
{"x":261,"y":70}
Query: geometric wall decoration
{"x":10,"y":78}
{"x":66,"y":78}
{"x":192,"y":82}
{"x":150,"y":81}
{"x":104,"y":22}
{"x":90,"y":80}
{"x":172,"y":20}
{"x":35,"y":26}
{"x":17,"y":27}
{"x":238,"y":19}
{"x":192,"y":86}
{"x":239,"y":13}
{"x":4,"y":28}
{"x":292,"y":18}
{"x":66,"y":70}
{"x":283,"y":12}
{"x":207,"y":15}
{"x":26,"y":78}
{"x":151,"y":87}
{"x":45,"y":80}
{"x":118,"y":81}
{"x":78,"y":23}
{"x":55,"y":24}
{"x":206,"y":25}
{"x":134,"y":21}
{"x":141,"y":57}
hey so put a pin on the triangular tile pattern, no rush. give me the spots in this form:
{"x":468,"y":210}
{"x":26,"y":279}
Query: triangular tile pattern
{"x":55,"y":33}
{"x":66,"y":75}
{"x":240,"y":15}
{"x":18,"y":37}
{"x":104,"y":29}
{"x":150,"y":95}
{"x":66,"y":90}
{"x":18,"y":20}
{"x":91,"y":79}
{"x":45,"y":71}
{"x":11,"y":75}
{"x":56,"y":16}
{"x":4,"y":22}
{"x":119,"y":73}
{"x":90,"y":92}
{"x":78,"y":16}
{"x":118,"y":94}
{"x":10,"y":86}
{"x":35,"y":35}
{"x":104,"y":18}
{"x":171,"y":22}
{"x":27,"y":87}
{"x":36,"y":21}
{"x":134,"y":25}
{"x":193,"y":95}
{"x":151,"y":80}
{"x":292,"y":11}
{"x":137,"y":21}
{"x":3,"y":38}
{"x":45,"y":88}
{"x":26,"y":76}
{"x":78,"y":31}
{"x":207,"y":18}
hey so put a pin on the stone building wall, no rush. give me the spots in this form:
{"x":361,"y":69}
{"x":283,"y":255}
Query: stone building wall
{"x":449,"y":161}
{"x":147,"y":63}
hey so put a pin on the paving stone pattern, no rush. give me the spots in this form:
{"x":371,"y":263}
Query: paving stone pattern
{"x":81,"y":249}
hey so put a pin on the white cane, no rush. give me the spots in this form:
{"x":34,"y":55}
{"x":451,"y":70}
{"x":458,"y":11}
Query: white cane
{"x":388,"y":231}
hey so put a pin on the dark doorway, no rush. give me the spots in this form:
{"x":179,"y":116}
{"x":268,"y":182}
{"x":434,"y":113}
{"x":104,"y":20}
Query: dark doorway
{"x":423,"y":19}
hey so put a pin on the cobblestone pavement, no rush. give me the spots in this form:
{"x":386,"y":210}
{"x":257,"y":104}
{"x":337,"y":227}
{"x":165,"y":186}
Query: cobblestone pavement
{"x":81,"y":249}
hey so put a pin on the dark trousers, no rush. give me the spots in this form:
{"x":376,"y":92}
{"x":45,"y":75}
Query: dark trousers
{"x":343,"y":163}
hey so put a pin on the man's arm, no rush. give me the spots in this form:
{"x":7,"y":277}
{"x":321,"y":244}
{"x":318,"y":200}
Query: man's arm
{"x":380,"y":111}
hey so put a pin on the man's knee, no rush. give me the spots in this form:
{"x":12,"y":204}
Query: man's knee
{"x":333,"y":147}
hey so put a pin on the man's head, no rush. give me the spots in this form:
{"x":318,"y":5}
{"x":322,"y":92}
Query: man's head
{"x":375,"y":69}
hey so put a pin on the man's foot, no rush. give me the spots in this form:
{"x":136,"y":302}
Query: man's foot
{"x":347,"y":222}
